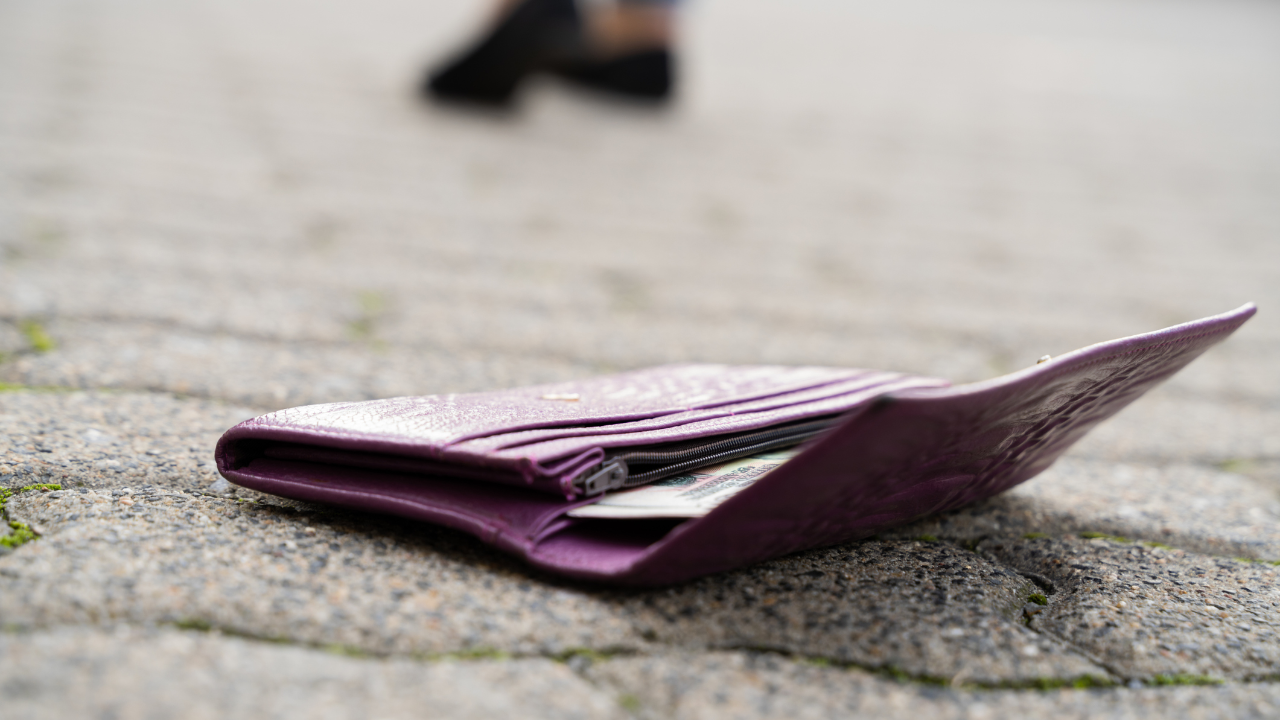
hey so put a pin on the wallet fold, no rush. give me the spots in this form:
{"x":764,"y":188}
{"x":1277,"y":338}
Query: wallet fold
{"x":506,"y":466}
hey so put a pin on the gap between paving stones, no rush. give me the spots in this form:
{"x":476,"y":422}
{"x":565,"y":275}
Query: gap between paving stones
{"x":1119,"y":676}
{"x":134,"y":671}
{"x":716,"y":681}
{"x":290,"y":372}
{"x":1054,"y":591}
{"x":1148,"y":601}
{"x":580,"y":660}
{"x":114,"y":667}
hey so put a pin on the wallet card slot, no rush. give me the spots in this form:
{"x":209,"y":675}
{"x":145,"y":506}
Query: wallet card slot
{"x":606,"y":404}
{"x":541,"y":455}
{"x":489,"y":511}
{"x":600,"y":546}
{"x":435,"y":425}
{"x":630,"y":468}
{"x":852,"y":387}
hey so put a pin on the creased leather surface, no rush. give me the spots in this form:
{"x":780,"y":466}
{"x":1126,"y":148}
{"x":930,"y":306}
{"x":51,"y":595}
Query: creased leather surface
{"x":438,"y":421}
{"x":549,"y":441}
{"x":910,"y":453}
{"x":702,"y":424}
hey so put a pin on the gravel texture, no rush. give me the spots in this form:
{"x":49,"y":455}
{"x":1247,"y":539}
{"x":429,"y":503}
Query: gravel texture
{"x":926,"y":609}
{"x":1196,"y":507}
{"x":1151,"y":611}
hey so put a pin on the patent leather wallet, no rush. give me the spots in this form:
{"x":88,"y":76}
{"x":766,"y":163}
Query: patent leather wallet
{"x":877,"y":449}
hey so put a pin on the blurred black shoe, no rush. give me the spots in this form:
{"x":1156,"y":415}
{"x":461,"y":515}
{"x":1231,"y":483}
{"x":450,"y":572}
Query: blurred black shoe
{"x":645,"y":75}
{"x":535,"y":35}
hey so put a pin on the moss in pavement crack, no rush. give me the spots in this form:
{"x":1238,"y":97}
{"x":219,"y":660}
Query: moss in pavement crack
{"x":1184,"y":679}
{"x":903,"y":676}
{"x":20,"y":533}
{"x":630,"y":702}
{"x":1039,"y":683}
{"x":480,"y":653}
{"x":593,"y":655}
{"x":16,"y":387}
{"x":201,"y":625}
{"x":1104,"y":536}
{"x":1257,"y":561}
{"x":36,"y":336}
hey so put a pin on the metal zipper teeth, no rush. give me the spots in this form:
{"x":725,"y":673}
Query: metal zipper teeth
{"x":724,"y":450}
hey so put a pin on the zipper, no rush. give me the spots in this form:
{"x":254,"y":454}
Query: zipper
{"x":619,"y":471}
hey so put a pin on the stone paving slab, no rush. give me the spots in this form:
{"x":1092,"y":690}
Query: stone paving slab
{"x":137,"y":673}
{"x":1169,"y":427}
{"x":1193,"y":507}
{"x":925,"y":609}
{"x":762,"y":685}
{"x":266,"y":372}
{"x":1154,"y":611}
{"x":131,"y":673}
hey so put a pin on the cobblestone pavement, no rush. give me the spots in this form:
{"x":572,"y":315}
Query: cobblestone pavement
{"x":211,"y":209}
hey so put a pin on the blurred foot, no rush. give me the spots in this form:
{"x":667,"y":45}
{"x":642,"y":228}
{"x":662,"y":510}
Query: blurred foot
{"x":532,"y":35}
{"x":628,"y":51}
{"x":621,"y":48}
{"x":644,"y":75}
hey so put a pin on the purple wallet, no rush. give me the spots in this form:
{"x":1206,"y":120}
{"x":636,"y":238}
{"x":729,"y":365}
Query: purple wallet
{"x":878,"y":449}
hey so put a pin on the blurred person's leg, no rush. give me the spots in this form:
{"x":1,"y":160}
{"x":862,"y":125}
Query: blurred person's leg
{"x":622,"y":47}
{"x":629,"y":26}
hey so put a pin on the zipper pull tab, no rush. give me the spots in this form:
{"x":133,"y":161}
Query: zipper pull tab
{"x":609,"y":476}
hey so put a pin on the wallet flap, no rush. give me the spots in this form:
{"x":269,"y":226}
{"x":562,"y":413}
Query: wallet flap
{"x":920,"y":452}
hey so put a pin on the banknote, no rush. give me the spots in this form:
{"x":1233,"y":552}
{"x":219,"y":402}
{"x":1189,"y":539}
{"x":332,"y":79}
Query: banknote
{"x":692,"y":494}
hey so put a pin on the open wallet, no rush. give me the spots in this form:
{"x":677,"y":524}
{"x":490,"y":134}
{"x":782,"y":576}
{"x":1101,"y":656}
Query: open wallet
{"x":664,"y":474}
